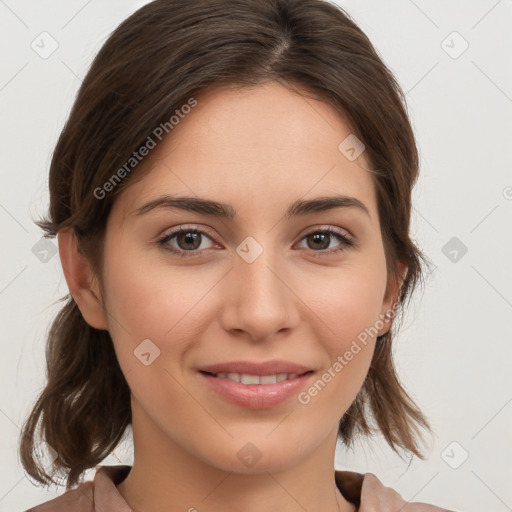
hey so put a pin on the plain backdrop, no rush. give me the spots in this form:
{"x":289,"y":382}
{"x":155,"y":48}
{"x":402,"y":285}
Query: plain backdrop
{"x":453,"y":353}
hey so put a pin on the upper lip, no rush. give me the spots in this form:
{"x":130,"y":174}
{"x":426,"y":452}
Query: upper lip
{"x":272,"y":367}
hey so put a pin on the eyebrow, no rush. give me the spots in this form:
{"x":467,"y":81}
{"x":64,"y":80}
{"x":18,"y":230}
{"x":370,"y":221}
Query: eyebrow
{"x":226,"y":211}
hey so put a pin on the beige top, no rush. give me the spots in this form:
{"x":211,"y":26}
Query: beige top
{"x":101,"y":495}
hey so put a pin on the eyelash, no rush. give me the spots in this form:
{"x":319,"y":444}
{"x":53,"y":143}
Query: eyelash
{"x":346,"y":242}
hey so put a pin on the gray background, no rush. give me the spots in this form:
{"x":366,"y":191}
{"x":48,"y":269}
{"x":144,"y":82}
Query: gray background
{"x":454,"y":350}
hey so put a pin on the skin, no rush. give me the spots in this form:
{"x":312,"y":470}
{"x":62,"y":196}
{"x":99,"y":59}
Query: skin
{"x":258,"y":150}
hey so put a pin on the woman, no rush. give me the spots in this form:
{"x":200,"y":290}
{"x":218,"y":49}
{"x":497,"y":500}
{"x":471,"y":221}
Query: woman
{"x":211,"y":147}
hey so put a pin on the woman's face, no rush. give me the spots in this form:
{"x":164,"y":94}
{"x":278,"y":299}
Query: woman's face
{"x":256,"y":286}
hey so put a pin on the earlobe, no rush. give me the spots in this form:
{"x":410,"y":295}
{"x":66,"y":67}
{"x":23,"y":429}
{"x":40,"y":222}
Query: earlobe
{"x":81,"y":281}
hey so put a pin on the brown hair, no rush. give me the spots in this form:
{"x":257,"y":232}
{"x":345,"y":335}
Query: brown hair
{"x":152,"y":64}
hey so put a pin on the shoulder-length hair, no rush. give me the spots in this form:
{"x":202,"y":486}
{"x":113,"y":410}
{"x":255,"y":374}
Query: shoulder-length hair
{"x":161,"y":56}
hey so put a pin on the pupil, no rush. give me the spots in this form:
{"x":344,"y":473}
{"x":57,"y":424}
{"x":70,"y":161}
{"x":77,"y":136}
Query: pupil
{"x":190,"y":238}
{"x":321,"y":237}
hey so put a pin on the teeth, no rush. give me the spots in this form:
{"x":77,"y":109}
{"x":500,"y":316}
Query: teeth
{"x":249,"y":379}
{"x":245,"y":378}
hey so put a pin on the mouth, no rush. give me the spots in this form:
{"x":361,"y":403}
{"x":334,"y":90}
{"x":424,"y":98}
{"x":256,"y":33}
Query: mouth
{"x":252,"y":379}
{"x":269,"y":368}
{"x":254,"y":391}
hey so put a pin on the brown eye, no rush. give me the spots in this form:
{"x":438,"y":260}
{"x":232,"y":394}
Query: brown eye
{"x":319,"y":241}
{"x":186,"y":240}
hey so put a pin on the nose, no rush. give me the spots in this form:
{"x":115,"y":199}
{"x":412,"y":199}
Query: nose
{"x":260,"y":301}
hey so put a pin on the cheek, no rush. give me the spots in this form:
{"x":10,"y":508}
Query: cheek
{"x":149,"y":297}
{"x":164,"y":309}
{"x":347,"y":302}
{"x":345,"y":311}
{"x":349,"y":345}
{"x":167,"y":307}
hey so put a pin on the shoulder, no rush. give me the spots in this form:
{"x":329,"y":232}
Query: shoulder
{"x":371,"y":495}
{"x":374,"y":494}
{"x":80,"y":499}
{"x":90,"y":496}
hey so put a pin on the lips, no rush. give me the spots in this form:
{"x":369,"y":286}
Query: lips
{"x":256,"y":385}
{"x":255,"y":395}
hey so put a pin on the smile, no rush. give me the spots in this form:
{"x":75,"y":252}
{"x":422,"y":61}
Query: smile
{"x":255,"y":391}
{"x":246,"y":378}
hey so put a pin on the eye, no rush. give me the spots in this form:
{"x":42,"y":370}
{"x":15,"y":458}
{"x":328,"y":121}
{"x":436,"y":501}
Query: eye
{"x":321,"y":239}
{"x":188,"y":240}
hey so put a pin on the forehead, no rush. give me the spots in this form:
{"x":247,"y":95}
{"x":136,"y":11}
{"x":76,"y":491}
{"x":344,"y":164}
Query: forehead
{"x":266,"y":142}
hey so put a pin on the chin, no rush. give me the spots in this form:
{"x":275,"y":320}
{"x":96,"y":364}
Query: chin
{"x":259,"y":456}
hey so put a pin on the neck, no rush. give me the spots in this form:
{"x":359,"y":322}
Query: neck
{"x":166,"y":476}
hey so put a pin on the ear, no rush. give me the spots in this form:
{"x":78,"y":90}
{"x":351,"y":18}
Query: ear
{"x":82,"y":282}
{"x":390,"y":303}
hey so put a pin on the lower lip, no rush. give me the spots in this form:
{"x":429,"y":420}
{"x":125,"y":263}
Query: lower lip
{"x":256,"y":396}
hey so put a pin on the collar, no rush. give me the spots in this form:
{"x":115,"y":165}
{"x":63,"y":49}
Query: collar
{"x":107,"y":497}
{"x":365,"y":491}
